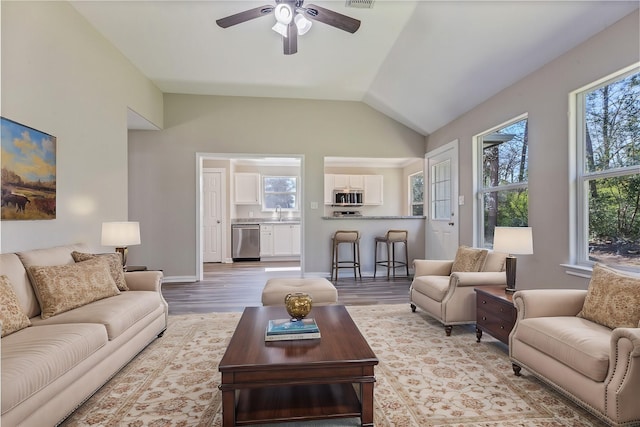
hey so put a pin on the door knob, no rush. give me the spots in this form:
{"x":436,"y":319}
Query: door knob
{"x":452,"y":223}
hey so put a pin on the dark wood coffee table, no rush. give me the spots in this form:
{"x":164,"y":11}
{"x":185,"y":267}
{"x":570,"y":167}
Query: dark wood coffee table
{"x":327,"y":378}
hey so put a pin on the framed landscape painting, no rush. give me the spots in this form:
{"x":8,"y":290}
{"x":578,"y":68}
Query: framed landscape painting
{"x":28,"y":163}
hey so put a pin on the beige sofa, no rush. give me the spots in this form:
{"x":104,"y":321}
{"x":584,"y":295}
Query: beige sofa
{"x":595,"y":366}
{"x":52,"y":366}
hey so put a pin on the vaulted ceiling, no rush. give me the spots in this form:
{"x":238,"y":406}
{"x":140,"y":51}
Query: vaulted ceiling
{"x":423,"y":63}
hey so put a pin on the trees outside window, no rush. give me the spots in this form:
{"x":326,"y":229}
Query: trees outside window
{"x":608,"y":172}
{"x":416,"y":189}
{"x":280,"y":191}
{"x":503,"y":154}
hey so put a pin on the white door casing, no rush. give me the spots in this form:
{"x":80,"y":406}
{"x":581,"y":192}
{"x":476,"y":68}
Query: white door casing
{"x":212,"y":215}
{"x":441,"y":190}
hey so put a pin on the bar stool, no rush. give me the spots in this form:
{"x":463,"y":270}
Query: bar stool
{"x":390,"y":239}
{"x":345,"y":236}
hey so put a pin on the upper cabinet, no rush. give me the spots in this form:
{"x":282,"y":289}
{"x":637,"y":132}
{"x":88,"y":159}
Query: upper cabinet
{"x":370,"y":184}
{"x":247,"y":189}
{"x":373,"y":189}
{"x":348,"y":181}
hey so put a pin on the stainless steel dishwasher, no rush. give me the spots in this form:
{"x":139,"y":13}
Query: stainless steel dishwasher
{"x":245,"y":242}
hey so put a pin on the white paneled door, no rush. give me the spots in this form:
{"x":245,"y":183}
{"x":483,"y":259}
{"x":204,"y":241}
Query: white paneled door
{"x":212,"y":220}
{"x":442,"y":202}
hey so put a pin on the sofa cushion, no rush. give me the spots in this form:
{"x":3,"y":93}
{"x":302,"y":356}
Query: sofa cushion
{"x":64,"y":287}
{"x":469,"y":259}
{"x":578,"y":343}
{"x":435,"y":287}
{"x":117,"y":314}
{"x":613,"y":298}
{"x":36,"y":356}
{"x":12,"y":317}
{"x":115,"y":265}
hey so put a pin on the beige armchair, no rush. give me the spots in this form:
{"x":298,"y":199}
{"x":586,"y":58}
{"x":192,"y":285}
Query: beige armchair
{"x":595,"y":365}
{"x":448,"y":296}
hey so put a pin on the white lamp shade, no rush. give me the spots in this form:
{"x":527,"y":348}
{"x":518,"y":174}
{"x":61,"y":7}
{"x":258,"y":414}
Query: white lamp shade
{"x":513,"y":240}
{"x":120,"y":234}
{"x":302,"y":23}
{"x":280,"y":29}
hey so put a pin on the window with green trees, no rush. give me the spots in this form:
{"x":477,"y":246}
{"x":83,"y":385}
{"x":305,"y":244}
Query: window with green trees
{"x":608,"y":172}
{"x":416,"y":188}
{"x":503,"y":178}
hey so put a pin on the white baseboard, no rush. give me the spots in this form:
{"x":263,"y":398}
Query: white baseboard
{"x":174,"y":279}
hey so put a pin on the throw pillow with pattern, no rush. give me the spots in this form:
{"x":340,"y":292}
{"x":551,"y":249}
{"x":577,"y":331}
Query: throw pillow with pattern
{"x":12,"y":316}
{"x":613,"y":299}
{"x":469,"y":259}
{"x":62,"y":288}
{"x":115,"y":266}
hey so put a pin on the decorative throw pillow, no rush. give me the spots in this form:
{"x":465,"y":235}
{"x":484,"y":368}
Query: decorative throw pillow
{"x":613,"y":299}
{"x":115,"y":266}
{"x":469,"y":259}
{"x":62,"y":288}
{"x":12,"y":317}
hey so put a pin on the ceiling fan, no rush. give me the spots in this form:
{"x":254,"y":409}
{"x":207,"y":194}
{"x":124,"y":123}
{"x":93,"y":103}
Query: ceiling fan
{"x":292,"y":19}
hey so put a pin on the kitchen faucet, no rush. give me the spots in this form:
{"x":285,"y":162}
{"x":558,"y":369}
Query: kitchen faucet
{"x":279,"y":212}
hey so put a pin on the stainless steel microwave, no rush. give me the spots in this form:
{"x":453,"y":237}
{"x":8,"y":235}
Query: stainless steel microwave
{"x":347,"y":197}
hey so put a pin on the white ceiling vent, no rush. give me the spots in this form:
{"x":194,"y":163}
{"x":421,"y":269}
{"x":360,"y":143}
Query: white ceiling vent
{"x":361,"y":4}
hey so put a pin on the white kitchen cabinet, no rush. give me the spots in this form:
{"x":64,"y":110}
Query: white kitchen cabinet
{"x":266,"y":240}
{"x":247,"y":189}
{"x":286,"y":239}
{"x":329,"y":185}
{"x":373,"y":189}
{"x":348,"y":181}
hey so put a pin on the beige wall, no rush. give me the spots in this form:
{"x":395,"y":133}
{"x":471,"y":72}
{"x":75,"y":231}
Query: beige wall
{"x":163,"y":168}
{"x":63,"y":78}
{"x":544,"y":96}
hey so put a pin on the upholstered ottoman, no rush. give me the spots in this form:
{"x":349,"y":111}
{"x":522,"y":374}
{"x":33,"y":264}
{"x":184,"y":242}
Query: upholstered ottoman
{"x":321,"y":290}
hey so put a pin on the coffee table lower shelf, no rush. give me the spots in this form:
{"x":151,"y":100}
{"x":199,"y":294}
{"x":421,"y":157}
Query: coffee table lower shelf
{"x":296,"y":403}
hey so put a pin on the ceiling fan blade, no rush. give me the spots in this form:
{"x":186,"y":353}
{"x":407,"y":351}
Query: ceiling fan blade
{"x":291,"y":41}
{"x":247,"y":15}
{"x":332,"y":18}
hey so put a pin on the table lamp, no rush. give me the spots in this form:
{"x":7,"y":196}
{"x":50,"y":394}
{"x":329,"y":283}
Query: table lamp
{"x":513,"y":240}
{"x":121,"y":234}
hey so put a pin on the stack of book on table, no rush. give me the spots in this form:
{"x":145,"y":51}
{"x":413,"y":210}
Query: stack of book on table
{"x":287,"y":329}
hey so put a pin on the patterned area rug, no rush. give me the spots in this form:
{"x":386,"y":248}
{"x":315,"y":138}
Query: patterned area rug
{"x":424,"y":378}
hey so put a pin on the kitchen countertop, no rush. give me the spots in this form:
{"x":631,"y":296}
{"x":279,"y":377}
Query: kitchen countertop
{"x":265,"y":221}
{"x":367,"y":217}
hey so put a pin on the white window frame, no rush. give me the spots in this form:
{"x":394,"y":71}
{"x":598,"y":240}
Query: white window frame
{"x":479,"y":190}
{"x":296,"y":193}
{"x":411,"y":201}
{"x":580,"y":265}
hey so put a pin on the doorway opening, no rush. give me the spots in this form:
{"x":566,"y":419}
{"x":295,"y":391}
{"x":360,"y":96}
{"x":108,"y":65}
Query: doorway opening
{"x":243,"y":189}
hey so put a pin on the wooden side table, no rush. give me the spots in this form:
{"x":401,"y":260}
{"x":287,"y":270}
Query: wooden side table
{"x":495,"y":312}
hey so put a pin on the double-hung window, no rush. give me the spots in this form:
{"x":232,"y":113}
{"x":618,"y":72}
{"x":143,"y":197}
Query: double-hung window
{"x":280,"y":192}
{"x":607,"y":135}
{"x":416,"y":193}
{"x":503,"y":170}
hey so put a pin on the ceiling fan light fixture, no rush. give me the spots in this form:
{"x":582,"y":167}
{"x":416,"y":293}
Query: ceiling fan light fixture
{"x":302,"y":23}
{"x":284,"y":15}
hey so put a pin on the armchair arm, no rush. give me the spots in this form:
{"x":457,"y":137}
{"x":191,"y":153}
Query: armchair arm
{"x":623,"y":382}
{"x":549,"y":302}
{"x":482,"y":278}
{"x":144,"y":280}
{"x":431,"y":267}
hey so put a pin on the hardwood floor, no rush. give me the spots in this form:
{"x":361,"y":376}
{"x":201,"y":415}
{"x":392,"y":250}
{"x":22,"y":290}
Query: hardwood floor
{"x":231,"y":287}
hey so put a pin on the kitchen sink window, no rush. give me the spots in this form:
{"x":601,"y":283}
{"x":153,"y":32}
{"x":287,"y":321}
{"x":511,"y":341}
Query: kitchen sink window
{"x":280,"y":192}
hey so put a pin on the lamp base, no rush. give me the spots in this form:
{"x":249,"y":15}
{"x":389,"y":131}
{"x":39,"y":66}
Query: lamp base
{"x":510,"y":268}
{"x":123,"y":254}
